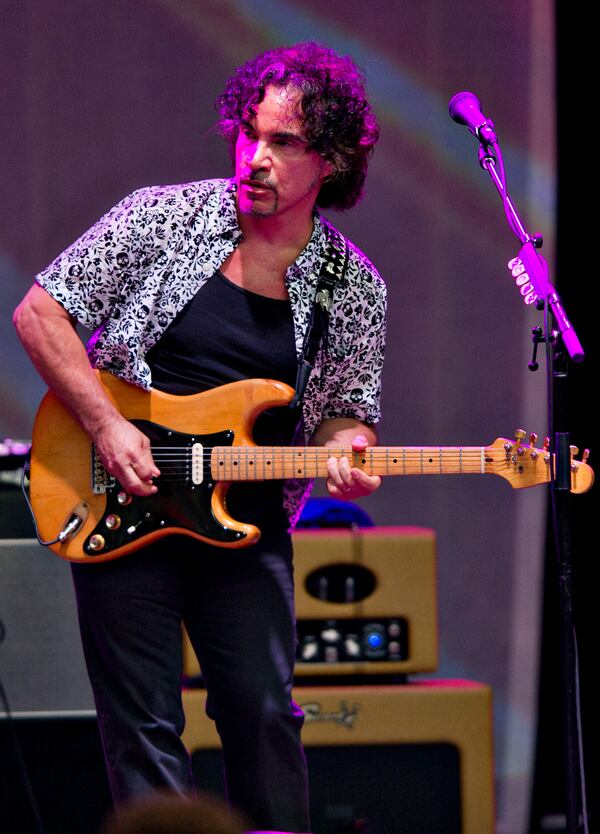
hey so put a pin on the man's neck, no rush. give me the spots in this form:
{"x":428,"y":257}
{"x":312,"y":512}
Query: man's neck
{"x":277,"y":233}
{"x":269,"y":247}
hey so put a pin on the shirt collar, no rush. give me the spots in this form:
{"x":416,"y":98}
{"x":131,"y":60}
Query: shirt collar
{"x":309,"y":260}
{"x":228,"y":225}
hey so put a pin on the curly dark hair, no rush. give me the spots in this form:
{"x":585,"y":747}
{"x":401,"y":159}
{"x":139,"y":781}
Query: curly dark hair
{"x":338,"y":121}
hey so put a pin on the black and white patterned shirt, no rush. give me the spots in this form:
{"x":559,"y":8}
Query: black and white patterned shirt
{"x":139,"y":265}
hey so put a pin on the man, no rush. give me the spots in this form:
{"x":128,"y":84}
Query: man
{"x":188,"y":287}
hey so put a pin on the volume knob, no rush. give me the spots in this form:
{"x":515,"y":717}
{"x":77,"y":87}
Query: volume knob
{"x":112,"y":521}
{"x":97,"y":543}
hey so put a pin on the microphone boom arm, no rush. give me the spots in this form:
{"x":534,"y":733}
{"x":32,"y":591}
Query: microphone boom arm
{"x":538,"y":288}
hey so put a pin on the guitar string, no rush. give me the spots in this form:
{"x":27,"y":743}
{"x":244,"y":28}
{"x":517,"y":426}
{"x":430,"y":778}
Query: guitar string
{"x":421,"y":458}
{"x":291,"y":451}
{"x":283,"y":456}
{"x":425,"y":455}
{"x":176,"y":460}
{"x":464,"y":456}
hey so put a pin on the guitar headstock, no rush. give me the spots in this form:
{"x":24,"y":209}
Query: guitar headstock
{"x":524,"y":465}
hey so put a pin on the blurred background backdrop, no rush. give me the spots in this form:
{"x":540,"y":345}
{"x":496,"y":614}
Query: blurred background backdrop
{"x":103,"y":97}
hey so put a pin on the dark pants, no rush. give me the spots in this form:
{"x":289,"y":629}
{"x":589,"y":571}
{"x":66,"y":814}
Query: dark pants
{"x":238,"y":609}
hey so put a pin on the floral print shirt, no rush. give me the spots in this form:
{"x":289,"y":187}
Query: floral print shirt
{"x":138,"y":266}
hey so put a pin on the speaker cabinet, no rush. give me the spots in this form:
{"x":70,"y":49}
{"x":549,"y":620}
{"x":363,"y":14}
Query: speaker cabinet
{"x":408,"y":759}
{"x":366,"y":602}
{"x":42,"y":660}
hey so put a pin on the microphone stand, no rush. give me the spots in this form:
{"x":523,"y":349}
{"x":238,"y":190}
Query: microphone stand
{"x":530,"y":271}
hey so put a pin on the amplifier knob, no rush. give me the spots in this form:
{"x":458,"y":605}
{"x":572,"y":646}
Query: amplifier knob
{"x":394,"y":629}
{"x":394,"y":649}
{"x":309,"y":651}
{"x":352,"y":647}
{"x":331,"y":654}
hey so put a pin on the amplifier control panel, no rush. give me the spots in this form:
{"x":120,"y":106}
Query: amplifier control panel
{"x":352,"y":640}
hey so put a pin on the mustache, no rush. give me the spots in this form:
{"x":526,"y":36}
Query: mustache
{"x":259,"y":180}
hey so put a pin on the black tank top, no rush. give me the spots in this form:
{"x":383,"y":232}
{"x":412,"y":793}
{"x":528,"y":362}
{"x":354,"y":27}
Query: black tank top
{"x":224,"y":334}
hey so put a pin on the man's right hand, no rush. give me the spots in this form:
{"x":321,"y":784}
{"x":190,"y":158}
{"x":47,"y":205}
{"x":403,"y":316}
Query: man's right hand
{"x":48,"y":334}
{"x":125,"y":452}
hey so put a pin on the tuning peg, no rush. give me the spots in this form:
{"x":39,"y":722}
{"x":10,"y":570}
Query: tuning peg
{"x":519,"y":435}
{"x":547,"y":449}
{"x":533,"y":438}
{"x":585,"y":456}
{"x":574,"y":451}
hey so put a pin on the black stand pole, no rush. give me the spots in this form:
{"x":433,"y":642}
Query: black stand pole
{"x":561,"y":511}
{"x":531,"y":274}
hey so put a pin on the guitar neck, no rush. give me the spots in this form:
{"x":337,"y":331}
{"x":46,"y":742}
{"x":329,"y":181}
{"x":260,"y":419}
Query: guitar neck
{"x":260,"y":463}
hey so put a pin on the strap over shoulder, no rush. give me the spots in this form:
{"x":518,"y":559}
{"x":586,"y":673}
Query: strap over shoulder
{"x":333,"y":268}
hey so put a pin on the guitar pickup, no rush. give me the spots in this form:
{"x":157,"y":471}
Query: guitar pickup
{"x":197,"y":463}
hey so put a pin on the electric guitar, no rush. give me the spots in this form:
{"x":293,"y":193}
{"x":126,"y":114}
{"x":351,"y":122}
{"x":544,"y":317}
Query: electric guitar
{"x":201,"y":444}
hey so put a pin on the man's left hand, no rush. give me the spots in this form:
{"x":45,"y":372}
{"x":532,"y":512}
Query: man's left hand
{"x":346,"y":481}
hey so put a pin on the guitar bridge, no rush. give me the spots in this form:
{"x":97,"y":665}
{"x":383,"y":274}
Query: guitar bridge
{"x":102,"y":480}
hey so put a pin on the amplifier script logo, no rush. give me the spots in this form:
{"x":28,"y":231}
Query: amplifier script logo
{"x":345,"y":716}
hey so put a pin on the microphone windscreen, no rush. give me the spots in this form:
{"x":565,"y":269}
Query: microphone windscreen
{"x":465,"y":108}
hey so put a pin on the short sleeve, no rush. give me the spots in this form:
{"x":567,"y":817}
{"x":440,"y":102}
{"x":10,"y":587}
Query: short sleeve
{"x":87,"y":277}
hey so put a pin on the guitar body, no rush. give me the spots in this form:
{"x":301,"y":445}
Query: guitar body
{"x":62,"y":469}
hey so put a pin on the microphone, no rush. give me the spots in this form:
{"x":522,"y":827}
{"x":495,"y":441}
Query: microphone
{"x":465,"y":109}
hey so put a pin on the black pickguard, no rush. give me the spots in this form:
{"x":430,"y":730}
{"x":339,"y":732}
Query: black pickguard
{"x":178,"y":503}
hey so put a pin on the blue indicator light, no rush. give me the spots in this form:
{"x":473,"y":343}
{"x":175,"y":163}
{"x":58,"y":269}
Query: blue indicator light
{"x":375,"y":641}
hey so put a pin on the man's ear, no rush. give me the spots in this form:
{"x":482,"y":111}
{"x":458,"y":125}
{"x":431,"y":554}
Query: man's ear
{"x":328,"y":170}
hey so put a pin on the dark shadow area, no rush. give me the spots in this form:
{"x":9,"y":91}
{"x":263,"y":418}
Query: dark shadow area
{"x":575,"y":280}
{"x":63,"y":759}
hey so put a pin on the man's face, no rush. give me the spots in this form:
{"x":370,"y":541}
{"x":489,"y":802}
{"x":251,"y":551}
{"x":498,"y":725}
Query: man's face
{"x":275,"y":170}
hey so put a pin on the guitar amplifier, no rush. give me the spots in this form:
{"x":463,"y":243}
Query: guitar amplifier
{"x":400,"y":759}
{"x":366,"y":602}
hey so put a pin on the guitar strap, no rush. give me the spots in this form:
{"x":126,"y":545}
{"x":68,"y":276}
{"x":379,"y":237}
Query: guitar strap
{"x":333,"y":268}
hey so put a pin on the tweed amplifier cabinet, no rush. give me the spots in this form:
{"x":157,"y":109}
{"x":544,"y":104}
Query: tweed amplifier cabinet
{"x":366,"y":602}
{"x":407,"y":759}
